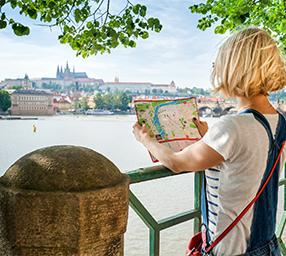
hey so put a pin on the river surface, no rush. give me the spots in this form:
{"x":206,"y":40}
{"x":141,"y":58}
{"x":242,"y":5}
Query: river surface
{"x":112,"y":136}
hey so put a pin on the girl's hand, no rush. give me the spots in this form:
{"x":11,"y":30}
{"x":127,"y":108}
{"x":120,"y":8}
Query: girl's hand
{"x":141,"y":132}
{"x":202,"y":126}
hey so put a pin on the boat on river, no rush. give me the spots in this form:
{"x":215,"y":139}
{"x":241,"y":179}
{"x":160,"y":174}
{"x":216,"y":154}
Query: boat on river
{"x":99,"y":112}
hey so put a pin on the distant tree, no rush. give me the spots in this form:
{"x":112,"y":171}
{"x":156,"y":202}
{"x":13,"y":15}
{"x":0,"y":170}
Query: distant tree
{"x":44,"y":85}
{"x":116,"y":102}
{"x":5,"y":100}
{"x":160,"y":91}
{"x":17,"y":87}
{"x":130,"y":98}
{"x":84,"y":101}
{"x":108,"y":89}
{"x":199,"y":91}
{"x":108,"y":101}
{"x":98,"y":101}
{"x":154,"y":91}
{"x":116,"y":91}
{"x":52,"y":86}
{"x":71,"y":87}
{"x":124,"y":100}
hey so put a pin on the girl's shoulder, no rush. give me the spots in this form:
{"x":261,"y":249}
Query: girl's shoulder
{"x":236,"y":121}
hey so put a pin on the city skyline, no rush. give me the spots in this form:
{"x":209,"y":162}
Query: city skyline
{"x":179,"y":53}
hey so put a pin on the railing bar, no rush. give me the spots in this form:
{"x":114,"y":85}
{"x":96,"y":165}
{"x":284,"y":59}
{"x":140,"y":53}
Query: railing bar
{"x":179,"y":218}
{"x":151,"y":173}
{"x":142,"y":212}
{"x":282,"y":182}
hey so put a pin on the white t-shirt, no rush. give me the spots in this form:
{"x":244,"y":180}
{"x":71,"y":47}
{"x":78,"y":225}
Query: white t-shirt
{"x":243,"y":142}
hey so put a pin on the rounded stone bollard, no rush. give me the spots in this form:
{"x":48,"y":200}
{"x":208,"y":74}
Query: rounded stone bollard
{"x":63,"y":200}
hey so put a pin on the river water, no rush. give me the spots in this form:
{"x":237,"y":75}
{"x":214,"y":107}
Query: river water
{"x":112,"y":136}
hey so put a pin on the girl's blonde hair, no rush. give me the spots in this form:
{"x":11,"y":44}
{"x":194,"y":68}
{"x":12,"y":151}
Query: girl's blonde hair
{"x":247,"y":64}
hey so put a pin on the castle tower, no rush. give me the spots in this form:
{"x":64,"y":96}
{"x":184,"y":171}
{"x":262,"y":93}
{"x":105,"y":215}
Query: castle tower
{"x":27,"y":84}
{"x":58,"y":72}
{"x":67,"y":72}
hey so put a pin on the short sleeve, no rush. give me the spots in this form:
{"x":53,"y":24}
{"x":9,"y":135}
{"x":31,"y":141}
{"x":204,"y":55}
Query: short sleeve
{"x":223,"y":137}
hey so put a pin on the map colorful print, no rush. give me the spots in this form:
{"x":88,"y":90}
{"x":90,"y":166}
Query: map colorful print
{"x":170,"y":121}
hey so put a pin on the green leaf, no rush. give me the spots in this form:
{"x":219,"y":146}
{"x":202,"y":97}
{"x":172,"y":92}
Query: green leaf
{"x":20,"y":30}
{"x":150,"y":22}
{"x":32,"y":13}
{"x":283,"y":26}
{"x":52,"y":4}
{"x":143,"y":11}
{"x":136,"y":8}
{"x":3,"y":16}
{"x":3,"y":24}
{"x":13,"y":3}
{"x":96,"y":23}
{"x":145,"y":35}
{"x":25,"y":30}
{"x":2,"y":2}
{"x":89,"y":25}
{"x":132,"y":44}
{"x":77,"y":15}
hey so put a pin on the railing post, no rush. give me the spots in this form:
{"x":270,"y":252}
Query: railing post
{"x":154,"y":242}
{"x":197,"y":201}
{"x":63,"y":200}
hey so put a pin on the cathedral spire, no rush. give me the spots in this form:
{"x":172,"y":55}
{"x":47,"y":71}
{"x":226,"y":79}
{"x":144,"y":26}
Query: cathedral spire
{"x":58,"y":72}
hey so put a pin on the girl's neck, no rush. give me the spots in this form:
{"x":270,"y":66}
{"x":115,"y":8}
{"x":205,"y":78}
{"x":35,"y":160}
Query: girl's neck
{"x":259,"y":102}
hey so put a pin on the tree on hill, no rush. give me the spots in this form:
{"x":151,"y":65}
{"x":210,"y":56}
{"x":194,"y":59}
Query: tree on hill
{"x":5,"y":100}
{"x":19,"y":87}
{"x":84,"y":102}
{"x":98,"y":101}
{"x":89,"y":27}
{"x":236,"y":14}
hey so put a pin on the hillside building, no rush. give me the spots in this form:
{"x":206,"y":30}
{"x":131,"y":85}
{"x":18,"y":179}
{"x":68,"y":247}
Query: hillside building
{"x":133,"y":87}
{"x":116,"y":86}
{"x":31,"y":102}
{"x":63,"y":104}
{"x":171,"y":88}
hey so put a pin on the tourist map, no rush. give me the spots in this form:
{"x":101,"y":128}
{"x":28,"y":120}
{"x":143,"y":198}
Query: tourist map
{"x":170,"y":121}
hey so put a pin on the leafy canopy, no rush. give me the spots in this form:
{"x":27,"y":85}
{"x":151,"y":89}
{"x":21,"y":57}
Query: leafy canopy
{"x":88,"y":26}
{"x":235,"y":14}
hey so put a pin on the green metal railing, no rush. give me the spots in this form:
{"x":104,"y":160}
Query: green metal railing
{"x":155,"y":226}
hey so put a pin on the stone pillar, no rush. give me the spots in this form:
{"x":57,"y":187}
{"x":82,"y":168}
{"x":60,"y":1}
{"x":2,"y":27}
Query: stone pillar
{"x":63,"y":200}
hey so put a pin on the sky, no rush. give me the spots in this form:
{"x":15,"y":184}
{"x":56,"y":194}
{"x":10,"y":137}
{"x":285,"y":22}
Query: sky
{"x":180,"y":52}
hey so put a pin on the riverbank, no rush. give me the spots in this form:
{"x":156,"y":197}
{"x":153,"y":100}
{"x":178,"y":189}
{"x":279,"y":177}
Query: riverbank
{"x":18,"y":118}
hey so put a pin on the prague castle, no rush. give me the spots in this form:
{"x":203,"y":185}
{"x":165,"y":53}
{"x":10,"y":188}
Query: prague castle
{"x":63,"y":77}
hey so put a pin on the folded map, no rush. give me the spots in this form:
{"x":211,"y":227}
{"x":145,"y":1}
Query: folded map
{"x":170,"y":121}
